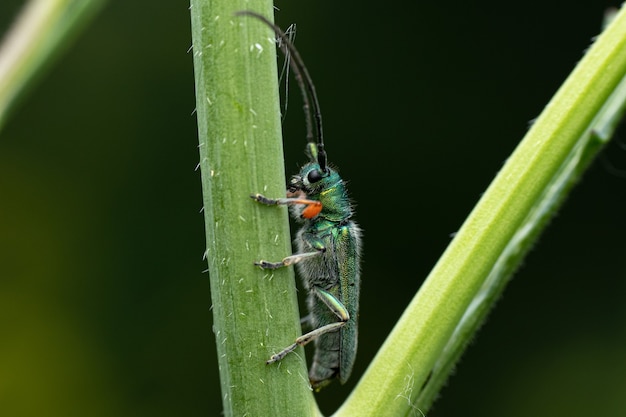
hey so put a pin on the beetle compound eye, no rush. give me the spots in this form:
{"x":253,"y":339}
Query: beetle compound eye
{"x":314,"y":176}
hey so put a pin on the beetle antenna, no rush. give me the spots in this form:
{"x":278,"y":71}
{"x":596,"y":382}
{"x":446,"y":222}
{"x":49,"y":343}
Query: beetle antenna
{"x":301,"y":74}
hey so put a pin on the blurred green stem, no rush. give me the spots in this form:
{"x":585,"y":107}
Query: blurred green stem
{"x":43,"y":28}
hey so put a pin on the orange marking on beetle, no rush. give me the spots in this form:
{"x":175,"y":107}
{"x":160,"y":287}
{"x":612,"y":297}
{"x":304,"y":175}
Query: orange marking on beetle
{"x":313,"y":209}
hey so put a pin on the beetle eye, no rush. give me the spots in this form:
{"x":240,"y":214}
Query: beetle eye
{"x":314,"y":176}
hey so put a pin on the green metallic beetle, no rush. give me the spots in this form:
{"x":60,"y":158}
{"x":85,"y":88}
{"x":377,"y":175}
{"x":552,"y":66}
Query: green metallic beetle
{"x":328,"y":243}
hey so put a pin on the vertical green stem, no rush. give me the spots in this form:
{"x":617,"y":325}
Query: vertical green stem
{"x":255,"y":312}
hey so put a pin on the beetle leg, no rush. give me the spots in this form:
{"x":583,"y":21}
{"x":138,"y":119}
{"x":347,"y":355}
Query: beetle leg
{"x":335,"y":306}
{"x":289,"y":260}
{"x":312,"y":209}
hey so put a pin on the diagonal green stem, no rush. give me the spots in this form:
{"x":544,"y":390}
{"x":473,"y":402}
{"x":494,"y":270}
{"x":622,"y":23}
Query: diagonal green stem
{"x":419,"y":354}
{"x":43,"y":28}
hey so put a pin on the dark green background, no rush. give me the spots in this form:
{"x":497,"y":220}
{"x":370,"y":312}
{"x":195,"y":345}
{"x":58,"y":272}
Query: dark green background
{"x":104,"y":308}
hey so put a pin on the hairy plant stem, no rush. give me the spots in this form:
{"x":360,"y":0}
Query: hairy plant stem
{"x":255,"y":312}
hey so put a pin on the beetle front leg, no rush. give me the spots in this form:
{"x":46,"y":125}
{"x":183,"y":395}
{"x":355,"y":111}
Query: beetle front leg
{"x":312,"y":209}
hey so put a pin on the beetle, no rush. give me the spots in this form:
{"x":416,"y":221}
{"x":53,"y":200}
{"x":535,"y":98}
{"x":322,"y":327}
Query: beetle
{"x":328,"y":242}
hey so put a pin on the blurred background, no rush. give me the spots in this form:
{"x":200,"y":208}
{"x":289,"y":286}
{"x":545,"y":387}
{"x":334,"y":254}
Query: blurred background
{"x":104,"y":305}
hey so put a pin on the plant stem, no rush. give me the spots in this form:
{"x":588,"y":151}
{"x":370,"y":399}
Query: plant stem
{"x":419,"y":354}
{"x":43,"y":29}
{"x":255,"y":312}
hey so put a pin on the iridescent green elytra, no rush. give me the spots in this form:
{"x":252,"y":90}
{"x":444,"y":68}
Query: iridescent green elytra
{"x":328,"y":243}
